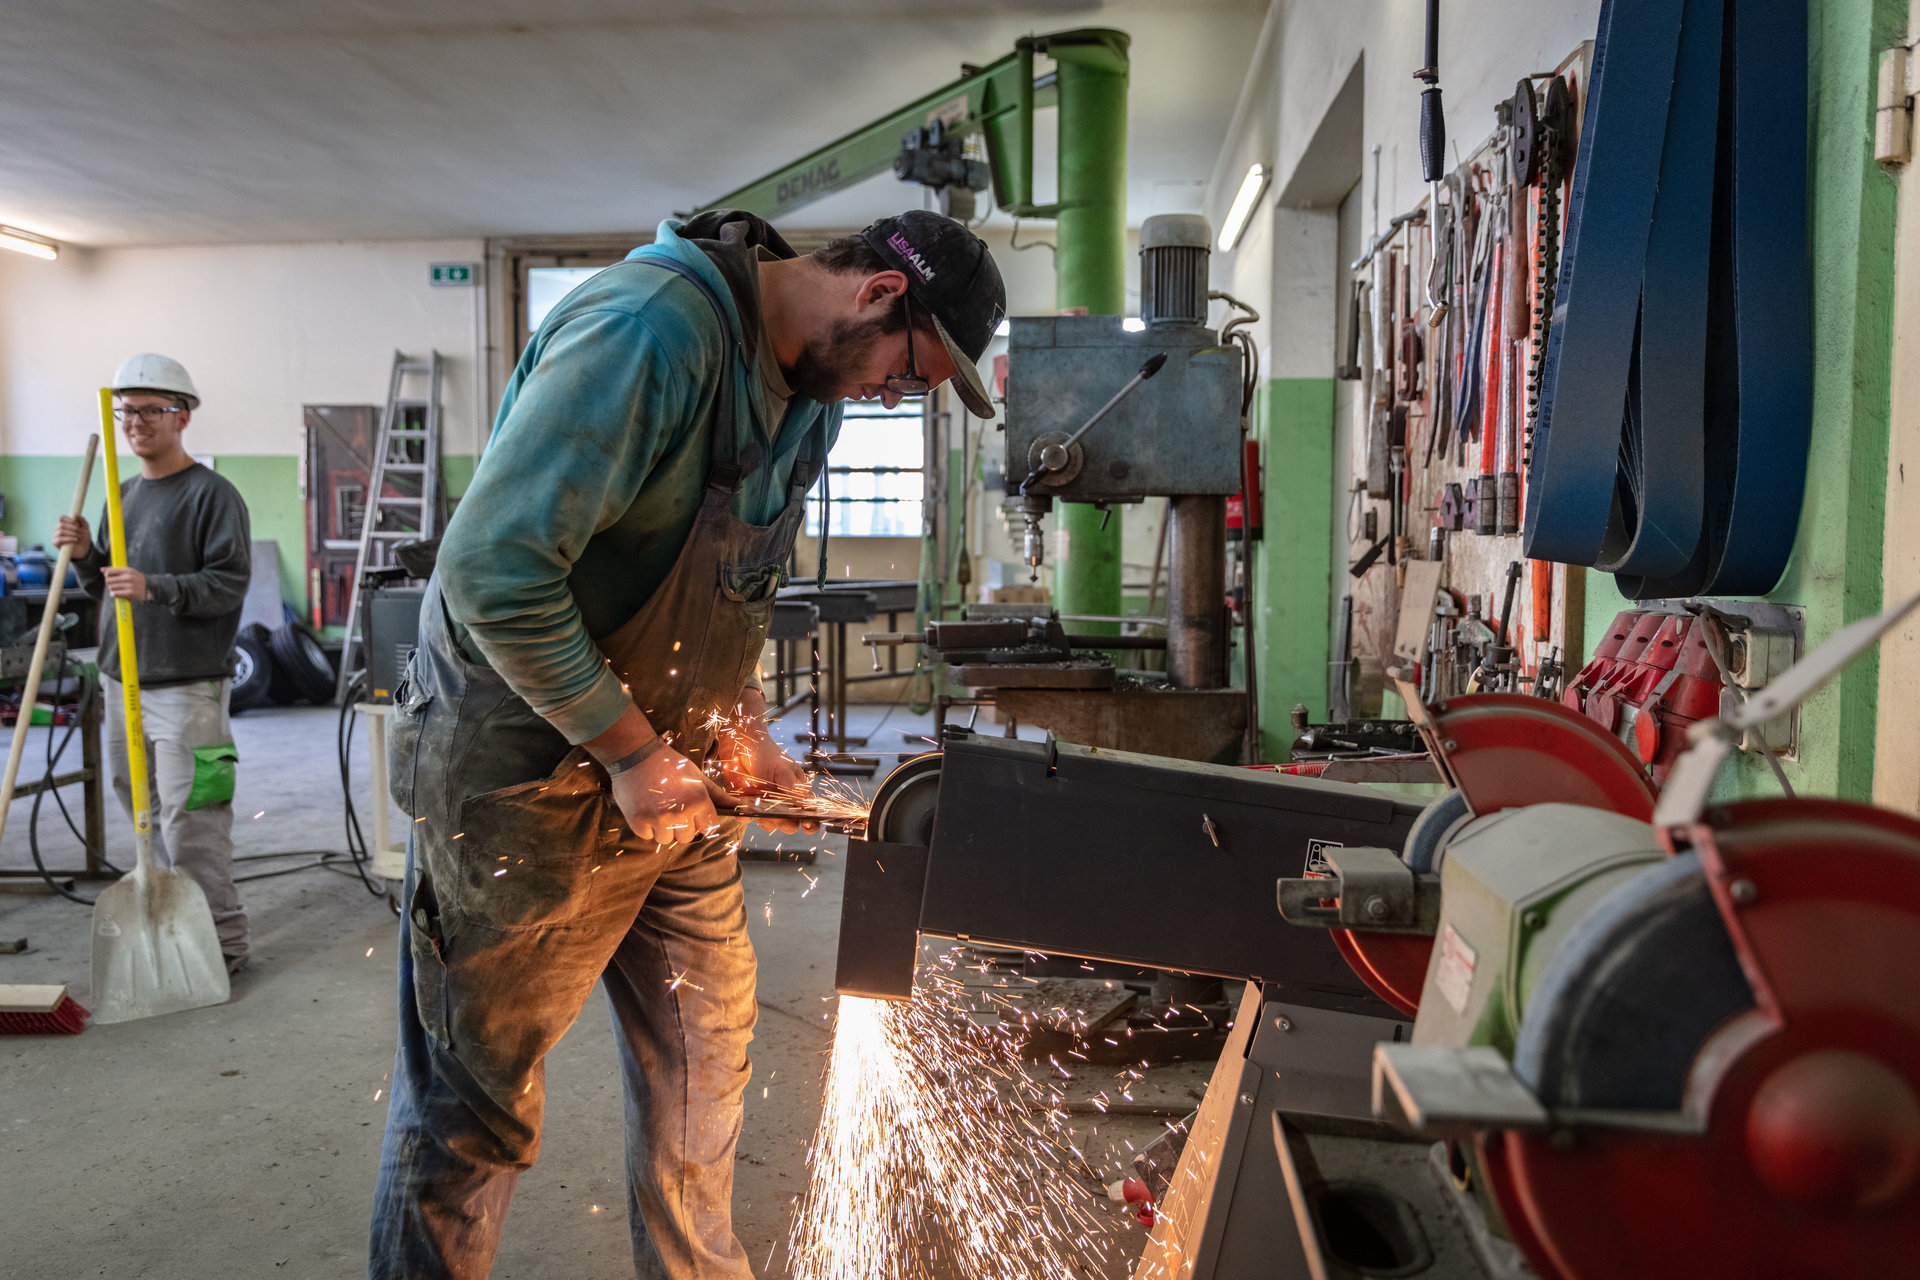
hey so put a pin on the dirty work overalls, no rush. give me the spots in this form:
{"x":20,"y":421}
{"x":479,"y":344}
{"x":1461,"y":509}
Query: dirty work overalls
{"x":525,"y":886}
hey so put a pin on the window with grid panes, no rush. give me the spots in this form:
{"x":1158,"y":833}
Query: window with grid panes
{"x":876,"y":473}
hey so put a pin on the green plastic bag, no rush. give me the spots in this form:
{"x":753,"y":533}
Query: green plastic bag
{"x":212,"y":775}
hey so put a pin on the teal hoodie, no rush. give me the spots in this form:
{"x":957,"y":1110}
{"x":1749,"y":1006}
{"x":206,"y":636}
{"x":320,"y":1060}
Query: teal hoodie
{"x":594,"y":473}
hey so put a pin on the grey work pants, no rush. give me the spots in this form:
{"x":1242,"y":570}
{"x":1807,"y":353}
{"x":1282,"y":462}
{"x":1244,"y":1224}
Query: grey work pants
{"x":197,"y":842}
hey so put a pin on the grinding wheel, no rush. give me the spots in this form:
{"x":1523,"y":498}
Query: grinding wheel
{"x":904,"y":807}
{"x":1638,"y":985}
{"x":1505,"y":750}
{"x":1796,"y":1154}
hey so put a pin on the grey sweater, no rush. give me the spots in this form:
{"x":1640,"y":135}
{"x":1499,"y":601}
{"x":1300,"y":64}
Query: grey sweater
{"x":189,"y":534}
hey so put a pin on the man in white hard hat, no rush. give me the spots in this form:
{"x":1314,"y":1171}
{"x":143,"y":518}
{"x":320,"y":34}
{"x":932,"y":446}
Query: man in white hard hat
{"x":188,"y":562}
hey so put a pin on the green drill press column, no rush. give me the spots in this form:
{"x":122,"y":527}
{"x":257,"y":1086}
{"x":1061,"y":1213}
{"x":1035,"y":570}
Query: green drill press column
{"x":1091,"y":271}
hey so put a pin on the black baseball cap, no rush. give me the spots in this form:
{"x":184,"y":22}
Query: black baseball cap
{"x":953,"y":278}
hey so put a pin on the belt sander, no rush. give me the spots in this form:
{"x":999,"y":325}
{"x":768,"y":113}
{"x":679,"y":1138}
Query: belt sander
{"x":1107,"y":855}
{"x":1111,"y":856}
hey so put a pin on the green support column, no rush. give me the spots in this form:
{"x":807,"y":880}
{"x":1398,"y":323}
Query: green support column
{"x":1091,"y":268}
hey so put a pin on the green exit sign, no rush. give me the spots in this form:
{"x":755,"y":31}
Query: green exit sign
{"x":453,"y":274}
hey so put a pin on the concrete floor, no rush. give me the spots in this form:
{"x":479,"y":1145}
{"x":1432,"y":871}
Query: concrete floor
{"x":241,"y":1140}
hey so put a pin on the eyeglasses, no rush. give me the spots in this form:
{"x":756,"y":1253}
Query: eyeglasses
{"x":909,"y":383}
{"x":152,"y":414}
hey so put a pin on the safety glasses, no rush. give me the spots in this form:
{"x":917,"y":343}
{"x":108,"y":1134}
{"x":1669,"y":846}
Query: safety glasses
{"x":909,"y":383}
{"x":152,"y":414}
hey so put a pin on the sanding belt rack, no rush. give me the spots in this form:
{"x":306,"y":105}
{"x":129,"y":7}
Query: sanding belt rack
{"x":1676,"y":407}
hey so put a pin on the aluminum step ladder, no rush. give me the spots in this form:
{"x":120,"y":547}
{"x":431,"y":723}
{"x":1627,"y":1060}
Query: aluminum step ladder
{"x":403,"y":491}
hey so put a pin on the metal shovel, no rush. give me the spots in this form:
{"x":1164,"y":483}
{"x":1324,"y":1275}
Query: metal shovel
{"x":154,"y":946}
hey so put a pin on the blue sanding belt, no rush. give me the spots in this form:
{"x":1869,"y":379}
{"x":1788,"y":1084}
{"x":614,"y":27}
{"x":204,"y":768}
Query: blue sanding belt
{"x":1656,"y":525}
{"x":1570,"y":489}
{"x":1675,"y":413}
{"x":1773,"y":289}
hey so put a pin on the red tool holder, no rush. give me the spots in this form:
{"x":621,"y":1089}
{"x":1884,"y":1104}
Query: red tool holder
{"x":1650,"y":677}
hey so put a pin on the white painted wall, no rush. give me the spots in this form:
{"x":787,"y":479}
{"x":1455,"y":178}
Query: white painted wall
{"x":263,"y":329}
{"x":1305,"y":58}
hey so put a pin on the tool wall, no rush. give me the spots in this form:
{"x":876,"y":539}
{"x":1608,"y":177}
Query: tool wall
{"x":1445,"y":338}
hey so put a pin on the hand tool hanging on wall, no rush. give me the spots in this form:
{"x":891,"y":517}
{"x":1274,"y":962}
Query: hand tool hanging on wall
{"x":1349,"y":370}
{"x":1542,"y":601}
{"x":1433,"y":158}
{"x":1469,"y":399}
{"x":1493,"y":403}
{"x":1340,"y":673}
{"x":1553,"y":154}
{"x":1442,"y":321}
{"x":1499,"y":667}
{"x":1380,"y":367}
{"x":1380,"y":384}
{"x":1662,"y":216}
{"x":1521,"y":141}
{"x":1507,"y":479}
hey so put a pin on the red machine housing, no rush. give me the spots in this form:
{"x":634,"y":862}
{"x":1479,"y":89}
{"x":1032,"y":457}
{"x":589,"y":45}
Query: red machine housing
{"x":1650,"y":677}
{"x":1808,"y":1166}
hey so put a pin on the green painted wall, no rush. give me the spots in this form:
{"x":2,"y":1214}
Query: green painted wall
{"x":270,"y":483}
{"x":1835,"y":572}
{"x":37,"y":489}
{"x":1293,"y":421}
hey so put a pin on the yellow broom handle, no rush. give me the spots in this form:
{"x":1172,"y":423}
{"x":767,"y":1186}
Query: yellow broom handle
{"x":123,"y":622}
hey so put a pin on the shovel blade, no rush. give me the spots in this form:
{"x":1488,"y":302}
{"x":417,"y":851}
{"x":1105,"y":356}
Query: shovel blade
{"x":154,"y":949}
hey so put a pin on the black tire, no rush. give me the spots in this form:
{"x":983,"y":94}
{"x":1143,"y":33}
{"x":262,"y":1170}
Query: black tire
{"x":281,"y":689}
{"x":253,"y":669}
{"x":299,"y":656}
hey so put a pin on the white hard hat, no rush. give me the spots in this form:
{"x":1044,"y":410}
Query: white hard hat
{"x":150,"y":372}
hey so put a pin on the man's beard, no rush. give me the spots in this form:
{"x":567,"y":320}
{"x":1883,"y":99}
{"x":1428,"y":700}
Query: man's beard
{"x":825,"y":367}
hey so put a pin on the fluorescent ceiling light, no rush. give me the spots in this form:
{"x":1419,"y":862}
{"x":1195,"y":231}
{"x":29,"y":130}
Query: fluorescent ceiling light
{"x":27,"y":242}
{"x":1134,"y":324}
{"x":1243,"y":203}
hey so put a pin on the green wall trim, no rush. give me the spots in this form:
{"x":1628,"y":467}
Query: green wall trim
{"x":270,"y":484}
{"x":1292,"y":593}
{"x":38,"y":487}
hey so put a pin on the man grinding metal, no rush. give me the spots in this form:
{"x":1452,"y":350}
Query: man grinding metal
{"x":589,"y":644}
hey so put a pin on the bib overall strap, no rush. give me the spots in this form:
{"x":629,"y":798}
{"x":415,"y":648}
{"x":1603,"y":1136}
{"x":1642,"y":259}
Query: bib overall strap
{"x":729,"y":468}
{"x":812,"y":463}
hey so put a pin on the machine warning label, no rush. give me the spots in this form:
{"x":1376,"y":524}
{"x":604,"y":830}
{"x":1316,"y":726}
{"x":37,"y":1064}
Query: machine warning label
{"x":1454,"y":976}
{"x":1317,"y":864}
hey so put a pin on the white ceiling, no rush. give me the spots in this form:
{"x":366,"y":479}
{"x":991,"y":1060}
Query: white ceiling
{"x":217,"y":121}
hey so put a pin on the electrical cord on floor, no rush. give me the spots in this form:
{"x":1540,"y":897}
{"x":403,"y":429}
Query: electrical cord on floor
{"x":29,"y":698}
{"x":356,"y":838}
